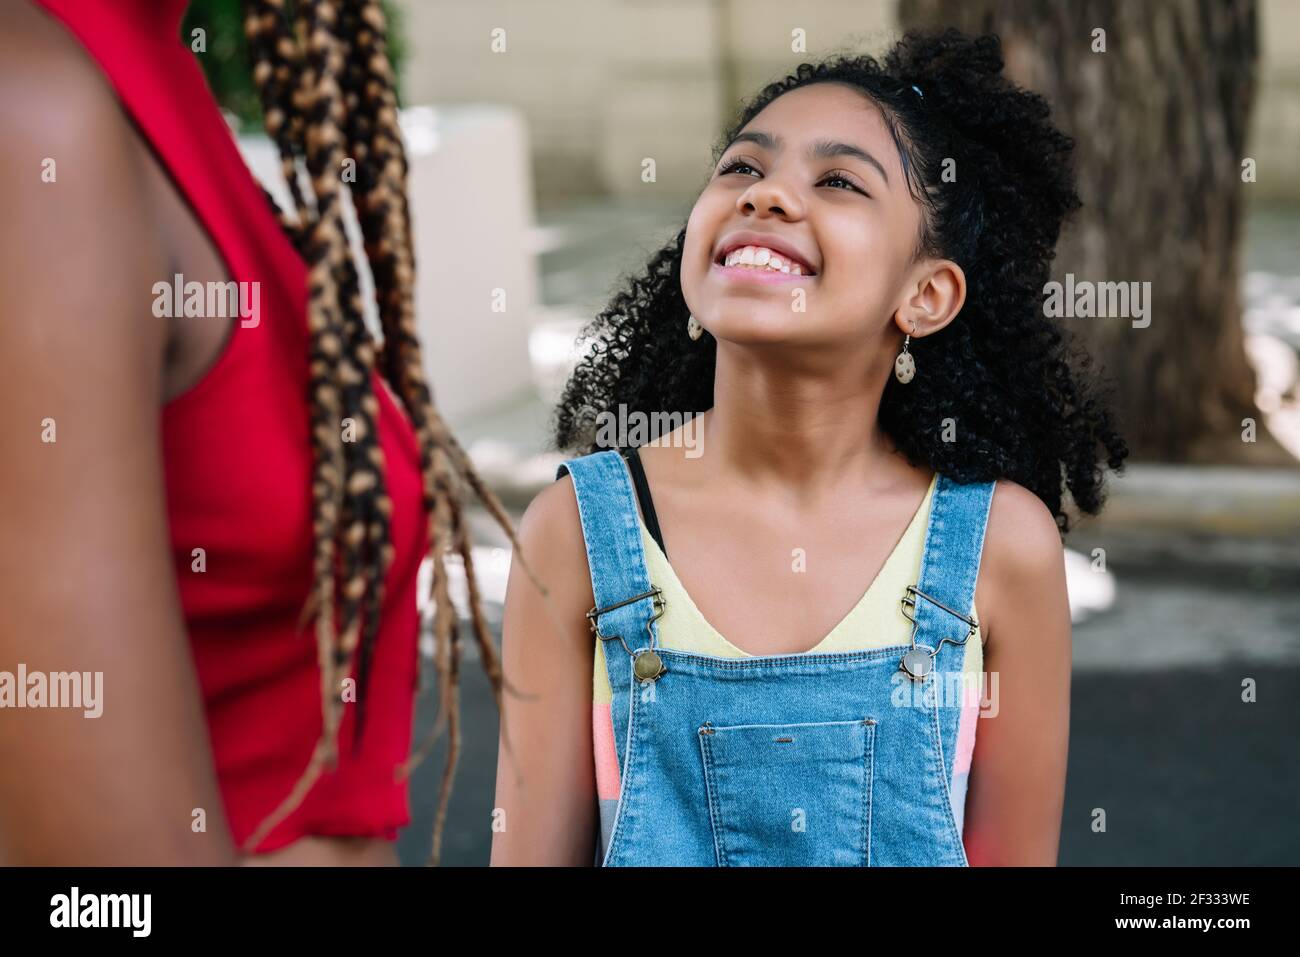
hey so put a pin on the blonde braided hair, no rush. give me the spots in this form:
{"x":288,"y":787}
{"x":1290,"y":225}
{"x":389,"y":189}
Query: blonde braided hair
{"x":327,"y":91}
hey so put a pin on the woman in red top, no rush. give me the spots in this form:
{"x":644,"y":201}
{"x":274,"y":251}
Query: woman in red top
{"x":221,"y":510}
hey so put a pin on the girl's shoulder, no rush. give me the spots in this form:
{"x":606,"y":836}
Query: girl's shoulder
{"x":1023,"y":557}
{"x":1021,"y":528}
{"x":551,"y":520}
{"x":550,"y":539}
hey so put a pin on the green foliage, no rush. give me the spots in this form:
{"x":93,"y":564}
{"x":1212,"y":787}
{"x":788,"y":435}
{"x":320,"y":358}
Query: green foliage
{"x":225,"y":62}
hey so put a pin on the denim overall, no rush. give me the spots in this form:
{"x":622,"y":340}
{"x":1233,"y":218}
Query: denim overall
{"x":800,"y":759}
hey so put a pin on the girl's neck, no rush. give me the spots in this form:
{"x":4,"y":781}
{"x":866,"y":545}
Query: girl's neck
{"x":798,"y":427}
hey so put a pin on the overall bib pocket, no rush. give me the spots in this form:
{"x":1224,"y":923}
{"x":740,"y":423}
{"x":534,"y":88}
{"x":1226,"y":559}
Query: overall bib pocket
{"x":794,"y":795}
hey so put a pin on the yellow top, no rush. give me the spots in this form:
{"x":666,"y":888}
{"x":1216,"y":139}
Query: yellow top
{"x":876,"y":621}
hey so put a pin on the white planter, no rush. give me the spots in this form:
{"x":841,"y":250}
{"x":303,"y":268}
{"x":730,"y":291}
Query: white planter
{"x":472,"y":212}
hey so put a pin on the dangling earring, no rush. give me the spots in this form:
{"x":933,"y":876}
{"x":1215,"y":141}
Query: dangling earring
{"x":693,"y":328}
{"x":905,"y":365}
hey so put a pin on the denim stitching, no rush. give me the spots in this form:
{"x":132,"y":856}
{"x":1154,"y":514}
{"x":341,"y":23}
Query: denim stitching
{"x":781,"y":662}
{"x":711,"y":796}
{"x":870,"y":747}
{"x":616,"y":830}
{"x":943,"y":773}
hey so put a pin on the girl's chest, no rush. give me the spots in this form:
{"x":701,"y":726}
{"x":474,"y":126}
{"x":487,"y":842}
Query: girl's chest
{"x":779,"y":587}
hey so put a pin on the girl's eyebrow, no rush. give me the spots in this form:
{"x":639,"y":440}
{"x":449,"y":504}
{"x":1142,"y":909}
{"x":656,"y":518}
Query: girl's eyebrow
{"x":820,"y":149}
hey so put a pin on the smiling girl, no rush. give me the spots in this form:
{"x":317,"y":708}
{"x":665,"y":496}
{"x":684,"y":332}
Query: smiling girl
{"x":790,"y":628}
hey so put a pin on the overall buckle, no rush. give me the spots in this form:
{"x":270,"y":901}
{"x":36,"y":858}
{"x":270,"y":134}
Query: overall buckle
{"x":646,"y":663}
{"x":918,"y":662}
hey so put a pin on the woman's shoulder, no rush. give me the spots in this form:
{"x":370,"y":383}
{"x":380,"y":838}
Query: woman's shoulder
{"x":50,"y":84}
{"x":71,"y":154}
{"x":70,"y":188}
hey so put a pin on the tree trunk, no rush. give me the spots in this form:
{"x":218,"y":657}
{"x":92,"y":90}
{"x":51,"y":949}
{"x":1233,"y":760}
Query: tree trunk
{"x":1159,"y":121}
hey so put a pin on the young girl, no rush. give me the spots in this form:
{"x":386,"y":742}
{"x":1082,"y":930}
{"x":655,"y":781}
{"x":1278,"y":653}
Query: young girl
{"x":853,"y":311}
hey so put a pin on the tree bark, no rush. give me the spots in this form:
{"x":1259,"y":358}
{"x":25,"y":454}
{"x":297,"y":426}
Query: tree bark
{"x":1159,"y":121}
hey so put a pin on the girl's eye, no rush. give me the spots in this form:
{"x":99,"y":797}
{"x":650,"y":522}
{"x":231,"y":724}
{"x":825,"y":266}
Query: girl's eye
{"x":736,"y":166}
{"x":733,"y":166}
{"x":836,"y":178}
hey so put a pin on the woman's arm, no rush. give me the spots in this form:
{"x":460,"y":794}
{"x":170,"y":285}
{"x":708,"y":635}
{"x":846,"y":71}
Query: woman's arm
{"x":87,"y":582}
{"x":1017,"y":781}
{"x":546,"y":781}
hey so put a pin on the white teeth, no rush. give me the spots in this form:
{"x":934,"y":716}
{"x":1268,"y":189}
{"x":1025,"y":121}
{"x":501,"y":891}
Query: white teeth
{"x":761,"y":257}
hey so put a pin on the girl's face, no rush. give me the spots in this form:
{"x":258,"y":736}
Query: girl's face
{"x":814,"y":181}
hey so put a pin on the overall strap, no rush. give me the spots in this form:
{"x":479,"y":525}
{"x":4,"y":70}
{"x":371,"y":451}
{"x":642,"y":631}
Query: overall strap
{"x":954,"y":544}
{"x":625,"y":615}
{"x":950,"y":564}
{"x":628,"y":605}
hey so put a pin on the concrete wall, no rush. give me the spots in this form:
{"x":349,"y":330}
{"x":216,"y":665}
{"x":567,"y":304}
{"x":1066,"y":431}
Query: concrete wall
{"x":471,"y":202}
{"x":604,"y":84}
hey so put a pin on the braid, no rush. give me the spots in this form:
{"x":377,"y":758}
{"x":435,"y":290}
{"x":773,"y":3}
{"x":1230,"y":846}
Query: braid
{"x":328,"y":95}
{"x":378,"y":513}
{"x":276,"y":68}
{"x":384,"y":215}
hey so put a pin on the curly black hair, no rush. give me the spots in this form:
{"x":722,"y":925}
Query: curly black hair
{"x":1023,"y":397}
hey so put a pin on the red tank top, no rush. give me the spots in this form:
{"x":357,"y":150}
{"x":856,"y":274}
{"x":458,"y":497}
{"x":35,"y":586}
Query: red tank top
{"x":238,"y":475}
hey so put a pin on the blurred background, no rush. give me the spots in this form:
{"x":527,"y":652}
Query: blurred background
{"x":530,"y":128}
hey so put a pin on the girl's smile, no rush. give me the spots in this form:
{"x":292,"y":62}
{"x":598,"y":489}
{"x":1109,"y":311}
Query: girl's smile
{"x":749,"y":256}
{"x":754,"y":273}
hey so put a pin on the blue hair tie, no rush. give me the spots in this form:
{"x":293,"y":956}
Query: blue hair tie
{"x":918,"y":91}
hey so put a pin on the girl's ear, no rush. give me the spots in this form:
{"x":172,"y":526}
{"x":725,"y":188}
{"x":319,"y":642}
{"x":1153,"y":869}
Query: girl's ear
{"x":938,"y":293}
